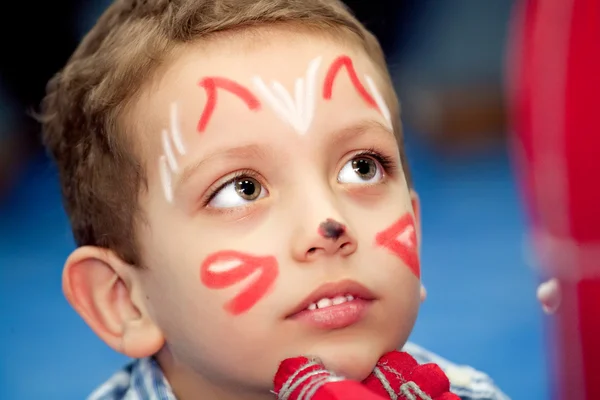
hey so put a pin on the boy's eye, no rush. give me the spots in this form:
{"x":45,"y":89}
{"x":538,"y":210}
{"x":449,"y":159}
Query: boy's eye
{"x":248,"y":188}
{"x":361,"y":170}
{"x":238,"y":192}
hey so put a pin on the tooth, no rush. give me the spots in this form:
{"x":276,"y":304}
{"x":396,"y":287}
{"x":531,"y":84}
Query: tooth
{"x":339,"y":300}
{"x":349,"y":297}
{"x":312,"y":306}
{"x":323,"y":303}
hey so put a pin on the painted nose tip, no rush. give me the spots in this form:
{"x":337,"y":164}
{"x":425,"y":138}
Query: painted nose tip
{"x":331,"y":229}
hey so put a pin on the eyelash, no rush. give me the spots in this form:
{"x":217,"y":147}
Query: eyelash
{"x":388,"y":164}
{"x":244,"y":173}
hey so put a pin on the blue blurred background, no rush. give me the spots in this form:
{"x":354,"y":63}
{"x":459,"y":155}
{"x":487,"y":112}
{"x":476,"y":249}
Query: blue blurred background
{"x":447,"y":59}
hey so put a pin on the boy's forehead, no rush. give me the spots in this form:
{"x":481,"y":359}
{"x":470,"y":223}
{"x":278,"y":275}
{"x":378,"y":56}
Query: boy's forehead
{"x":279,"y":57}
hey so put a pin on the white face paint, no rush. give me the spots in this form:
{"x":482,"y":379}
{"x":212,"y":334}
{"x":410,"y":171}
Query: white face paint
{"x":166,"y":178}
{"x":299,"y":110}
{"x":381,"y":104}
{"x":172,"y":142}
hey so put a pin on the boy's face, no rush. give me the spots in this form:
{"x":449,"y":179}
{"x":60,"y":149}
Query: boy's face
{"x":277,"y":225}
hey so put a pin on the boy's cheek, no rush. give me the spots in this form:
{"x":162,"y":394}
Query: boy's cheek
{"x":227,"y":269}
{"x":237,"y":282}
{"x":400,"y":240}
{"x":389,"y":235}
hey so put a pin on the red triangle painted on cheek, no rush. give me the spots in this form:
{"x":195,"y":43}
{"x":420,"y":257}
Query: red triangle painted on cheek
{"x":401,"y":239}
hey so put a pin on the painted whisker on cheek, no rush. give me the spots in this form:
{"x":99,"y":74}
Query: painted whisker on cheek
{"x":331,"y":229}
{"x":401,"y":240}
{"x":227,"y":268}
{"x":211,"y":84}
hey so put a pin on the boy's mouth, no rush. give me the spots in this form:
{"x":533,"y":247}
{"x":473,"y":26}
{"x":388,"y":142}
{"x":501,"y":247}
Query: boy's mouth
{"x":328,"y":302}
{"x":334,"y":305}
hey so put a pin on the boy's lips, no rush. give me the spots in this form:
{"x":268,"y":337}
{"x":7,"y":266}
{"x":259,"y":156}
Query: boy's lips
{"x":332,"y":295}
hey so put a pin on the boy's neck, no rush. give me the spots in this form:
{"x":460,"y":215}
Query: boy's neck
{"x":187,"y":384}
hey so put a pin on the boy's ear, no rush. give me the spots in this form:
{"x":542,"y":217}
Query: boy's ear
{"x":416,"y":205}
{"x":414,"y":199}
{"x":99,"y":286}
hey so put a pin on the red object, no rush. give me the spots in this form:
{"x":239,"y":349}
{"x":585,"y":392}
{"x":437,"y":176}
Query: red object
{"x":333,"y":72}
{"x":555,"y":84}
{"x":297,"y":377}
{"x":211,"y":85}
{"x":213,"y":277}
{"x":400,"y":372}
{"x":401,"y":239}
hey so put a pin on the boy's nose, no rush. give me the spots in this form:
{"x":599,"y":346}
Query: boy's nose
{"x":329,"y":237}
{"x":331,"y":229}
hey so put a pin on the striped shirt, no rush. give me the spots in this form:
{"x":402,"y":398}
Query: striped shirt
{"x":144,"y":380}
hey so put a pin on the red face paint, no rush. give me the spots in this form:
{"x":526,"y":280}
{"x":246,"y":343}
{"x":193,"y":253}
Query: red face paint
{"x":331,"y":229}
{"x":401,"y":239}
{"x":211,"y":85}
{"x":332,"y":73}
{"x":214,"y":276}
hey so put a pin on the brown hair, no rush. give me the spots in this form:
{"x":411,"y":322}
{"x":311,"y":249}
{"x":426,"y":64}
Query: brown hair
{"x":100,"y":174}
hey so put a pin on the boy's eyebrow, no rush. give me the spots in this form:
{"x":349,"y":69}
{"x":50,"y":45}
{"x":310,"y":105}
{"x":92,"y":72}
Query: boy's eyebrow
{"x":240,"y":152}
{"x":257,"y":151}
{"x":357,"y":129}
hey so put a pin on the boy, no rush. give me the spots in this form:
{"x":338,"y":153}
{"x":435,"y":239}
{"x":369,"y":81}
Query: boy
{"x":236,"y":183}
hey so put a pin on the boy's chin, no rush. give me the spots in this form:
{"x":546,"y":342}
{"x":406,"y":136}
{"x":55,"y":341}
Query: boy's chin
{"x":355,"y":364}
